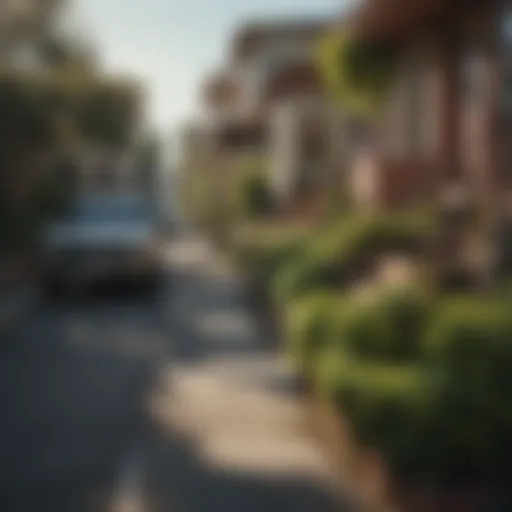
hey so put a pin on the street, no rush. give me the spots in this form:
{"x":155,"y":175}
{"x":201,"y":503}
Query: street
{"x":133,"y":400}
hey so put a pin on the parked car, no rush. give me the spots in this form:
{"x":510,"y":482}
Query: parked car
{"x":103,"y":237}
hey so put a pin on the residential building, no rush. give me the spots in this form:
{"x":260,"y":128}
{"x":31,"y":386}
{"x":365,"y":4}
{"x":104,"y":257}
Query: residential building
{"x":270,"y":101}
{"x":447,"y":121}
{"x":444,"y":132}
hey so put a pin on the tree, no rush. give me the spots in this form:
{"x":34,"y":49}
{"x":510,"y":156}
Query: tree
{"x":57,"y":101}
{"x":358,"y":73}
{"x":109,"y":112}
{"x":24,"y":22}
{"x":58,"y":53}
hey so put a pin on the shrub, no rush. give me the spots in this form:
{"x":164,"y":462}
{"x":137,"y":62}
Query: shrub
{"x":301,"y":276}
{"x":469,"y":347}
{"x":471,"y":337}
{"x":265,"y":249}
{"x":388,"y":325}
{"x":444,"y":417}
{"x":426,"y":385}
{"x":320,"y":265}
{"x":348,"y":247}
{"x":310,"y":326}
{"x":384,"y":404}
{"x":382,"y":401}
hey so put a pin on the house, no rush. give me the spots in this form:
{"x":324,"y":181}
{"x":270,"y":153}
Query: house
{"x":269,"y":101}
{"x":445,"y":126}
{"x":444,"y":131}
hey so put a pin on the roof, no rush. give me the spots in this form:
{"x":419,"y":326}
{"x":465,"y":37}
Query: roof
{"x":252,"y":34}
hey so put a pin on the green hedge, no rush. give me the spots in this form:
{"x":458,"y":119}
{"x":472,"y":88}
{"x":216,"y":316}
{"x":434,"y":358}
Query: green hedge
{"x":424,"y":379}
{"x":388,"y":325}
{"x":469,"y":347}
{"x":310,"y":326}
{"x":265,"y":250}
{"x":440,"y":411}
{"x":349,"y":247}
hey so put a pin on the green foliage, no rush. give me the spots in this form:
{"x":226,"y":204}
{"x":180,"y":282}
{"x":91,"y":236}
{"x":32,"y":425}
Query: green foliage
{"x":310,"y":324}
{"x":388,"y":325}
{"x":440,"y":415}
{"x":108,"y":112}
{"x":58,"y":53}
{"x":358,"y":73}
{"x":252,"y":194}
{"x":38,"y":114}
{"x":320,"y":264}
{"x":47,"y":111}
{"x":472,"y":335}
{"x":470,"y":347}
{"x":340,"y":252}
{"x":26,"y":120}
{"x":267,"y":255}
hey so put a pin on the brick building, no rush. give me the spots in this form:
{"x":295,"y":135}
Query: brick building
{"x":271,"y":73}
{"x":446,"y":124}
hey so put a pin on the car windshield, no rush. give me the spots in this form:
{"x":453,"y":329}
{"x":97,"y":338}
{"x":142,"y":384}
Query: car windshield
{"x":104,"y":210}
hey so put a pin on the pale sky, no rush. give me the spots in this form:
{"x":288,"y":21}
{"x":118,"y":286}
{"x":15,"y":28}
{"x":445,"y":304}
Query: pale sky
{"x":172,"y":43}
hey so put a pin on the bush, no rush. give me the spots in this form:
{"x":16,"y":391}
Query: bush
{"x":470,"y":338}
{"x":348,"y":248}
{"x":309,"y":326}
{"x":384,"y":404}
{"x":427,"y":385}
{"x":444,"y":416}
{"x":301,"y":276}
{"x":388,"y":325}
{"x":399,"y":410}
{"x":320,"y":264}
{"x":469,"y":347}
{"x":265,"y":248}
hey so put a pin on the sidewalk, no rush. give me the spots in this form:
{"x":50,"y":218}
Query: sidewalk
{"x":230,"y":405}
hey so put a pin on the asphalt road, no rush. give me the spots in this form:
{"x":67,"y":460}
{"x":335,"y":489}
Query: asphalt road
{"x":73,"y":386}
{"x":134,"y":400}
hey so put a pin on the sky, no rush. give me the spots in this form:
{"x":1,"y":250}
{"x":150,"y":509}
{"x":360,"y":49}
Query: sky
{"x":171,"y":44}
